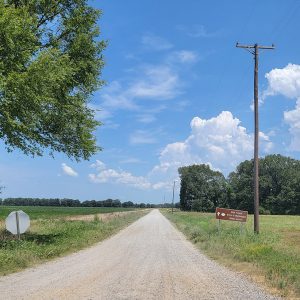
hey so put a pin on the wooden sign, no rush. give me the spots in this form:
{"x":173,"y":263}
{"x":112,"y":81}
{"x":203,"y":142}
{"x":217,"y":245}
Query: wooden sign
{"x":231,"y":214}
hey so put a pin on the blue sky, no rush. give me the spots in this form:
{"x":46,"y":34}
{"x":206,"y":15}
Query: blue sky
{"x":178,"y":92}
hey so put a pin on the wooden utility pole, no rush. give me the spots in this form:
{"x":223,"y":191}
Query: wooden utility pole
{"x":256,"y":132}
{"x":173,"y":197}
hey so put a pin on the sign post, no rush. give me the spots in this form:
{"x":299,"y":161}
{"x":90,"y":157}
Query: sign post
{"x":17,"y":222}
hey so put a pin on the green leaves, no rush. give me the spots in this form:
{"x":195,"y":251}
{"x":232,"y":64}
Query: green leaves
{"x":50,"y":64}
{"x":279,"y":181}
{"x":202,"y":189}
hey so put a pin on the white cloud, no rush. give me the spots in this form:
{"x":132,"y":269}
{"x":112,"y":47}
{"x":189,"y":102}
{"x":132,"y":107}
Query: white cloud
{"x":163,"y":185}
{"x":108,"y":175}
{"x":142,"y":137}
{"x":145,"y":82}
{"x":68,"y":170}
{"x":286,"y":82}
{"x":184,"y":56}
{"x":114,"y":96}
{"x":154,"y":42}
{"x":123,"y":177}
{"x":98,"y":165}
{"x":220,"y":142}
{"x":157,"y":83}
{"x":292,"y":117}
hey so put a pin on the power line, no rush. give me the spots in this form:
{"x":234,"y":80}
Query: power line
{"x":285,"y":20}
{"x":228,"y":62}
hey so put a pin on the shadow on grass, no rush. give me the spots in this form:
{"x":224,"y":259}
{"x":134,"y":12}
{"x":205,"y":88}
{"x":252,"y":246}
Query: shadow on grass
{"x":7,"y":238}
{"x":42,"y":239}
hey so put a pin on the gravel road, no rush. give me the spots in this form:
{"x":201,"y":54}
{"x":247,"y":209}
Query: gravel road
{"x":150,"y":259}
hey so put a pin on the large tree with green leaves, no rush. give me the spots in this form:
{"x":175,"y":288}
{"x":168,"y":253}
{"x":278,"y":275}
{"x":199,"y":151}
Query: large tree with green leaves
{"x":50,"y":63}
{"x":279,"y":185}
{"x":202,"y":189}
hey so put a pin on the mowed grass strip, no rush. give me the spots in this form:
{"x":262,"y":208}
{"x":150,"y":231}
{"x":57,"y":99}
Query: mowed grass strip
{"x":271,"y":258}
{"x":53,"y":237}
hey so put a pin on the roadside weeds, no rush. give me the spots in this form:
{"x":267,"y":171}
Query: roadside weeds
{"x":268,"y":259}
{"x":51,"y":238}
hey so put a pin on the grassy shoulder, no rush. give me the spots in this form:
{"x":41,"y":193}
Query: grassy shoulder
{"x":51,"y":237}
{"x":271,"y":258}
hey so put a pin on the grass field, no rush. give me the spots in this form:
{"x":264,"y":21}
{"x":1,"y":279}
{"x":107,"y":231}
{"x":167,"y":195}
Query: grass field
{"x":271,"y":258}
{"x":48,"y":212}
{"x":52,"y":235}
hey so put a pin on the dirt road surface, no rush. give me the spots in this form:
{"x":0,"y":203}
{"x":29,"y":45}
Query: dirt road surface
{"x":149,"y":259}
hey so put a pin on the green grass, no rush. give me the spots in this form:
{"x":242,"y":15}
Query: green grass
{"x":48,"y":212}
{"x":51,"y":237}
{"x":273,"y":255}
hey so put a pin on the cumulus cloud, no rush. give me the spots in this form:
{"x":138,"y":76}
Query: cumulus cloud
{"x":220,"y":142}
{"x":109,"y":175}
{"x":68,"y":170}
{"x":286,"y":82}
{"x":292,"y":117}
{"x":123,"y":177}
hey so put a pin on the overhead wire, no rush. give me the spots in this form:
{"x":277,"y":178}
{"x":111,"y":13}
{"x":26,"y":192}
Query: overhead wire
{"x":285,"y":19}
{"x":229,"y":61}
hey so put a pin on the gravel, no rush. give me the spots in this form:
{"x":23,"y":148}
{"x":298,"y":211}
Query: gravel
{"x":150,"y":259}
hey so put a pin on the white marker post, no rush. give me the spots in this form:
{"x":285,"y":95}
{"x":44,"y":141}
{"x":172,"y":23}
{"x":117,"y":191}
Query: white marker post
{"x":18,"y":225}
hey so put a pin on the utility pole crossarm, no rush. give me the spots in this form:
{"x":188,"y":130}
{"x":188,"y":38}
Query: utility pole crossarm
{"x":238,"y":45}
{"x":244,"y":46}
{"x":266,"y":47}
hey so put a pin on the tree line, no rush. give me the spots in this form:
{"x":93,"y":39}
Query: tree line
{"x":65,"y":202}
{"x":203,"y":189}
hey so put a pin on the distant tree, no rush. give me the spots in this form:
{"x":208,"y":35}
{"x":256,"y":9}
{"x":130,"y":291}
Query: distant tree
{"x":116,"y":203}
{"x":107,"y":203}
{"x":50,"y":62}
{"x":279,"y":185}
{"x":127,"y":204}
{"x":202,"y":189}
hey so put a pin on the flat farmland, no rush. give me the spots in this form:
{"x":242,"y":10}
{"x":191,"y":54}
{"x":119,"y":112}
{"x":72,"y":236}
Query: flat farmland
{"x":49,"y":212}
{"x":271,"y":258}
{"x":57,"y":231}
